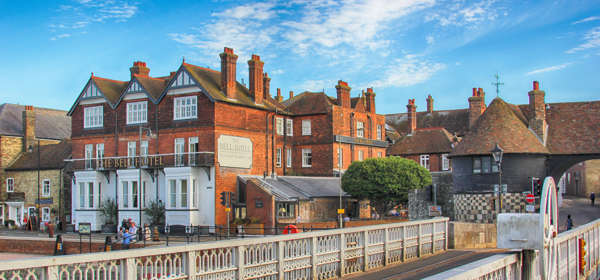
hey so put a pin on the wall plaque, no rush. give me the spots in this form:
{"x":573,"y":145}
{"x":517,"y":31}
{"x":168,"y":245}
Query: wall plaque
{"x":234,"y":151}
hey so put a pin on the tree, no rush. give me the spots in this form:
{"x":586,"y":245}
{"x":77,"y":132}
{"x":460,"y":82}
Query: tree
{"x":156,"y":212}
{"x":109,"y":211}
{"x":384,"y":181}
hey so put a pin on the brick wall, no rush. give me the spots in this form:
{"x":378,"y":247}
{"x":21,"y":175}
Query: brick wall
{"x":45,"y":246}
{"x":256,"y":194}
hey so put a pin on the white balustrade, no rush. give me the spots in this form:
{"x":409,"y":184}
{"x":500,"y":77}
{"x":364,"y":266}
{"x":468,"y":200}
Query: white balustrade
{"x":312,"y":255}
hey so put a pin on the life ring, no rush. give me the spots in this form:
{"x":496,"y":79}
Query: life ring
{"x":290,"y":229}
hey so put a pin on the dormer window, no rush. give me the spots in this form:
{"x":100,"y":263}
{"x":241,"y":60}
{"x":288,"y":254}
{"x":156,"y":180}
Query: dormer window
{"x":137,"y":112}
{"x":93,"y":117}
{"x":185,"y":108}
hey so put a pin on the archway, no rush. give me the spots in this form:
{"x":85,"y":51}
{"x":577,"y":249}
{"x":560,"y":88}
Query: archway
{"x":576,"y":175}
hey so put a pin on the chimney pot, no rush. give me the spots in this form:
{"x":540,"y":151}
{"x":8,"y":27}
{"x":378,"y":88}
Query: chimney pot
{"x":139,"y":68}
{"x":343,"y":94}
{"x":279,"y":98}
{"x":429,"y":104}
{"x":291,"y":94}
{"x":370,"y":90}
{"x":228,"y":71}
{"x":412,"y":116}
{"x":536,"y":85}
{"x":474,"y":91}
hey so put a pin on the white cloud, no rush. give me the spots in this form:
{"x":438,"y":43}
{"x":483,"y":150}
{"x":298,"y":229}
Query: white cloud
{"x":408,"y":71}
{"x":430,"y":39}
{"x":259,"y":11}
{"x":549,"y":69}
{"x":460,"y":14}
{"x":586,"y":20}
{"x":316,"y":85}
{"x":592,"y":40}
{"x":60,"y":36}
{"x":277,"y":72}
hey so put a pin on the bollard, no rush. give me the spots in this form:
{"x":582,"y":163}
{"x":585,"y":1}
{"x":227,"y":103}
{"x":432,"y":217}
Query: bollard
{"x":59,"y":248}
{"x":107,"y":244}
{"x":155,"y":234}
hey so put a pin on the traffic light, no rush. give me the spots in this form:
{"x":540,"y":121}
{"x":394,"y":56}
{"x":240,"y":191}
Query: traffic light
{"x":223,"y":198}
{"x":232,"y":198}
{"x":582,"y":254}
{"x":537,"y":184}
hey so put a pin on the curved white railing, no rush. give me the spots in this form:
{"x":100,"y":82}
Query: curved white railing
{"x":312,"y":255}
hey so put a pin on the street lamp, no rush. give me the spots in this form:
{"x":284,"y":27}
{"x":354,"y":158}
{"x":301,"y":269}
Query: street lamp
{"x":140,"y":184}
{"x":497,"y":153}
{"x":37,"y":203}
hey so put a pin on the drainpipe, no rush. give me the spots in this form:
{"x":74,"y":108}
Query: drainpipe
{"x":273,"y":144}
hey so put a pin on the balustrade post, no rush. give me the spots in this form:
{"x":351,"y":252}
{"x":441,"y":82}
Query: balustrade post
{"x":366,"y":250}
{"x":130,"y":269}
{"x":403,"y":243}
{"x":190,"y":265}
{"x":240,"y":261}
{"x":433,"y":238}
{"x":419,"y":242}
{"x":446,"y":236}
{"x":51,"y":273}
{"x":280,"y":260}
{"x":313,"y":251}
{"x":386,"y":253}
{"x":342,"y":253}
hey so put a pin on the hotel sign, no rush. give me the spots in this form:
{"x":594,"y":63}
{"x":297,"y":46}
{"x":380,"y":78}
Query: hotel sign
{"x":234,"y":151}
{"x":361,"y":141}
{"x":146,"y":161}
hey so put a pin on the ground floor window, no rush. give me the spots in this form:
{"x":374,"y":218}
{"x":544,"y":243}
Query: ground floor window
{"x":130,"y":192}
{"x":87,"y":195}
{"x":45,"y":214}
{"x":424,"y":161}
{"x":286,"y":209}
{"x":179,"y":192}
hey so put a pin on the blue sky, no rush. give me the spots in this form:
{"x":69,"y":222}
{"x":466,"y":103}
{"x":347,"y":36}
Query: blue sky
{"x":403,"y":48}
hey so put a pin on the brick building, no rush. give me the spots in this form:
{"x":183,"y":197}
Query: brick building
{"x":22,"y":130}
{"x":184,"y":138}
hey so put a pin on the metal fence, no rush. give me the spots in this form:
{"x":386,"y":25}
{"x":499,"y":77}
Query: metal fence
{"x":310,"y":255}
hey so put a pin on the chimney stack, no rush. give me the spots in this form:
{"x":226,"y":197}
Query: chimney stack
{"x":412,"y":116}
{"x":266,"y":85}
{"x":291,"y":94}
{"x":228,"y":65}
{"x":279,"y":98}
{"x":139,"y":68}
{"x":28,"y":127}
{"x":476,"y":106}
{"x":429,"y":104}
{"x":343,"y":94}
{"x":537,"y":111}
{"x":370,"y":96}
{"x":255,"y":73}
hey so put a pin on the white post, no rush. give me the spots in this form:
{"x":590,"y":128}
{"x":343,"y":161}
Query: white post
{"x":403,"y":243}
{"x":130,"y":269}
{"x":314,"y":257}
{"x":342,"y":248}
{"x":280,"y":260}
{"x":366,"y":250}
{"x":446,"y":236}
{"x":190,"y":265}
{"x":51,"y":273}
{"x":386,"y":252}
{"x":419,"y":242}
{"x":240,"y":261}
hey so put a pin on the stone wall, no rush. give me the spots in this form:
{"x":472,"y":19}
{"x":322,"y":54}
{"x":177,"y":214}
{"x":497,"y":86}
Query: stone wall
{"x":45,"y":246}
{"x":26,"y":182}
{"x":471,"y":235}
{"x":420,"y":200}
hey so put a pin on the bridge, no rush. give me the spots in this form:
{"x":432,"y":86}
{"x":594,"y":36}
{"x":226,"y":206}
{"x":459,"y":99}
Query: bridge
{"x":341,"y":253}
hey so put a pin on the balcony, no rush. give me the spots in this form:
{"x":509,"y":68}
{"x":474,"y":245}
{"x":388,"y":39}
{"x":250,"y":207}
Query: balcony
{"x":197,"y":159}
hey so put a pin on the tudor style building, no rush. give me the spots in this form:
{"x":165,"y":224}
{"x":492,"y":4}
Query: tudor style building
{"x":183,"y":139}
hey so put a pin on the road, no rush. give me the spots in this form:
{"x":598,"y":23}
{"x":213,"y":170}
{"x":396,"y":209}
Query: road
{"x":581,"y":212}
{"x":428,"y":266}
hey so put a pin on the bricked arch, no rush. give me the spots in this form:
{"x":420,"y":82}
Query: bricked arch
{"x":557,"y":165}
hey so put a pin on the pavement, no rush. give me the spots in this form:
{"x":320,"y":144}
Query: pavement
{"x":580,"y":209}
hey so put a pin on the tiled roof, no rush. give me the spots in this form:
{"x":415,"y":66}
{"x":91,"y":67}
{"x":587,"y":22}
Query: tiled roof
{"x":499,"y":124}
{"x":154,"y":86}
{"x":309,"y":103}
{"x":112,"y":89}
{"x":454,"y":121}
{"x":423,"y":141}
{"x":573,"y":128}
{"x":50,"y":157}
{"x":210,"y":80}
{"x":49,"y":123}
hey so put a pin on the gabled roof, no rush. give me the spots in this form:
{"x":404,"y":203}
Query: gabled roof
{"x":436,"y":140}
{"x":309,"y":103}
{"x":499,"y":124}
{"x":454,"y":121}
{"x":154,"y":87}
{"x":573,"y":128}
{"x":50,"y":157}
{"x":49,"y":123}
{"x":111,"y":89}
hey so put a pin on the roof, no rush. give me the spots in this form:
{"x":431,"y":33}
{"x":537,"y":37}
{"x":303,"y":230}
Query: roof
{"x":50,"y":157}
{"x":500,"y":124}
{"x":454,"y":121}
{"x":293,"y":188}
{"x":111,"y":89}
{"x":153,"y":86}
{"x":424,"y":141}
{"x":573,"y":128}
{"x":309,"y":103}
{"x":49,"y":123}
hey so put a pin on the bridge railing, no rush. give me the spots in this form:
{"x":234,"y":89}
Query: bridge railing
{"x":568,"y":253}
{"x":312,"y":255}
{"x":502,"y":266}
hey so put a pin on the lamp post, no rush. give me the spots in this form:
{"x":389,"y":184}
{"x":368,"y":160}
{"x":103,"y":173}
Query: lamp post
{"x":147,"y":129}
{"x":340,"y":163}
{"x":497,"y":153}
{"x":37,"y":203}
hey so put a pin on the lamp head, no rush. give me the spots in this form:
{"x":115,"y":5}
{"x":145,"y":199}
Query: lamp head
{"x":497,"y":153}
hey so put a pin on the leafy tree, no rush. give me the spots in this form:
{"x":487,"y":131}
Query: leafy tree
{"x":384,"y":181}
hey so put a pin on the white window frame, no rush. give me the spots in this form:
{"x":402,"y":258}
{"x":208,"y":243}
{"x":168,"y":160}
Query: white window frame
{"x":379,"y":154}
{"x":424,"y":161}
{"x":306,"y":130}
{"x":361,"y":155}
{"x":137,"y":112}
{"x":179,"y":151}
{"x":278,"y":157}
{"x":46,"y":192}
{"x":185,"y":108}
{"x":288,"y":162}
{"x":306,"y":158}
{"x":445,"y":162}
{"x":176,"y":198}
{"x":279,"y":125}
{"x":144,"y":152}
{"x":82,"y":186}
{"x":192,"y":150}
{"x":93,"y":117}
{"x":360,"y":129}
{"x":45,"y":214}
{"x":289,"y":128}
{"x":10,"y":184}
{"x":131,"y":153}
{"x":340,"y":158}
{"x":379,"y":132}
{"x":99,"y":155}
{"x":89,"y":155}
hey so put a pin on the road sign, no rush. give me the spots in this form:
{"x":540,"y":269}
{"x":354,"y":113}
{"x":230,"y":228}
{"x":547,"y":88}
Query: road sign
{"x":341,"y":211}
{"x":529,"y":208}
{"x":530,"y":198}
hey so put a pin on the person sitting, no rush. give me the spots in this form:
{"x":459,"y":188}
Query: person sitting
{"x":125,"y":238}
{"x":132,"y":231}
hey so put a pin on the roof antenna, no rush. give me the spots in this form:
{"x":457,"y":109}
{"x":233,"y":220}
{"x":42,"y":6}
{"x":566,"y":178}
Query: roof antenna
{"x":497,"y":84}
{"x":243,"y":83}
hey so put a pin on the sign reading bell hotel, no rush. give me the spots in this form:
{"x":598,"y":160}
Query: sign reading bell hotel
{"x":234,"y":151}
